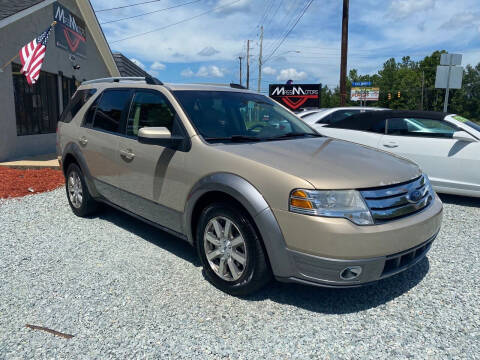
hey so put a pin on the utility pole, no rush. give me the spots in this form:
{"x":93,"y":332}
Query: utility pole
{"x":248,"y":64}
{"x":240,"y":58}
{"x":260,"y":61}
{"x":423,"y":89}
{"x":343,"y":61}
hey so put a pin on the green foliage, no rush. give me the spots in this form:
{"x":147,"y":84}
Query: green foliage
{"x":406,"y":77}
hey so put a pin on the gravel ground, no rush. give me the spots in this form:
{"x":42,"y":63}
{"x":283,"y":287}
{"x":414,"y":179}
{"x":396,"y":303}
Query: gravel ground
{"x":127,"y":290}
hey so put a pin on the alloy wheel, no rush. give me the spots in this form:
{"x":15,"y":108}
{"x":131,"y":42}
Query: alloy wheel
{"x":75,"y":192}
{"x":225,"y":248}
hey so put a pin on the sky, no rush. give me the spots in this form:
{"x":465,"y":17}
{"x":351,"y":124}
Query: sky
{"x":206,"y":48}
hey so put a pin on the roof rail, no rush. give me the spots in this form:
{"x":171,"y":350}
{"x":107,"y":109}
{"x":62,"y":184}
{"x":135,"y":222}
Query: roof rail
{"x":237,"y":86}
{"x":147,"y":79}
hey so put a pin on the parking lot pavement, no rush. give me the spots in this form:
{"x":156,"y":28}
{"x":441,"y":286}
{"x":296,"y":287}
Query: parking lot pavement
{"x":125,"y":289}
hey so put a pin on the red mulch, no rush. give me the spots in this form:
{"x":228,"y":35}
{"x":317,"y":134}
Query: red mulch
{"x":19,"y":182}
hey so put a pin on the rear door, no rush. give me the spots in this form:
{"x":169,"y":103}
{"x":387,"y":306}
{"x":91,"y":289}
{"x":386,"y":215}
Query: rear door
{"x":151,"y":177}
{"x":449,"y":163}
{"x":99,"y":136}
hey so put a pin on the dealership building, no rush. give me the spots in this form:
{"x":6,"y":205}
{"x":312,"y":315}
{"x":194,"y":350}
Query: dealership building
{"x":77,"y":50}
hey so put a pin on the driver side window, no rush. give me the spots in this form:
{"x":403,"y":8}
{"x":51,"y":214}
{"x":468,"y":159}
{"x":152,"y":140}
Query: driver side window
{"x":149,"y":109}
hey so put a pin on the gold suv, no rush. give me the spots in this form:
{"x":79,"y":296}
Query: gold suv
{"x":257,"y":191}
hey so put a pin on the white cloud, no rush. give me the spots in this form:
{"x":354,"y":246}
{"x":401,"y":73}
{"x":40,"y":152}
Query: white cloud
{"x":463,"y":20}
{"x":291,"y":74}
{"x":240,"y":6}
{"x":208,"y":51}
{"x":204,"y":71}
{"x":209,"y":71}
{"x":267,"y":70}
{"x":138,"y":63}
{"x":187,"y":73}
{"x":401,"y":9}
{"x":157,"y":66}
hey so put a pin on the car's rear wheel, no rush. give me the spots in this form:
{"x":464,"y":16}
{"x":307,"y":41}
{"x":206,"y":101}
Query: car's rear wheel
{"x":79,"y":198}
{"x":230,"y":250}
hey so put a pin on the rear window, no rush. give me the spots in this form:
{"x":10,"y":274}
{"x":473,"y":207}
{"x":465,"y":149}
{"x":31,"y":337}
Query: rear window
{"x":112,"y":105}
{"x":76,"y":103}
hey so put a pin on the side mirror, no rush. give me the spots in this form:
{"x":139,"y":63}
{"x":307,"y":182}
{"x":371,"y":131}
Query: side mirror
{"x":463,"y":136}
{"x":159,"y":136}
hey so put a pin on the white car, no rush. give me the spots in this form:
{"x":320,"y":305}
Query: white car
{"x":446,"y":146}
{"x":324,"y":117}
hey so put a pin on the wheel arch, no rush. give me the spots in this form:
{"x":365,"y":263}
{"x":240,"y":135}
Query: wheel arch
{"x":231,"y":187}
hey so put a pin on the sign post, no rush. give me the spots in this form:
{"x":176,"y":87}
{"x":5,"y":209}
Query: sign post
{"x":449,"y":75}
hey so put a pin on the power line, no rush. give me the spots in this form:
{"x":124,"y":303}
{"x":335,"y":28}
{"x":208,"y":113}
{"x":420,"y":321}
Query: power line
{"x":148,"y":13}
{"x":289,"y":31}
{"x":126,"y":6}
{"x":176,"y":23}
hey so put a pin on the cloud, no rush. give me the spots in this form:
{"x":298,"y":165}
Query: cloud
{"x":267,"y":70}
{"x":204,"y":71}
{"x":187,"y":73}
{"x":208,"y":51}
{"x":463,"y":20}
{"x":291,"y":74}
{"x":240,"y":6}
{"x":138,"y":63}
{"x":158,"y":66}
{"x":402,"y":9}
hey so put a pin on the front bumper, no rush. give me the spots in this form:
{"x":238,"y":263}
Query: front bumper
{"x":315,"y":270}
{"x":316,"y":250}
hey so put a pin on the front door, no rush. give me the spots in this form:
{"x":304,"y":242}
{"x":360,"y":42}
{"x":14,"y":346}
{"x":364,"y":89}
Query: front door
{"x":151,"y":176}
{"x":449,"y":163}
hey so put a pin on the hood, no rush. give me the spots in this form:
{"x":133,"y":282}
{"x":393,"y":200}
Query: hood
{"x":329,"y":163}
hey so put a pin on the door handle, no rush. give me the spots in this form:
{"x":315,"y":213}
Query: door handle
{"x":83,"y":141}
{"x":390,"y":145}
{"x":127,"y":154}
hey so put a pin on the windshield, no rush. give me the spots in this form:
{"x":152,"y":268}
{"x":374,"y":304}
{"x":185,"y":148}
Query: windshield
{"x":234,"y":116}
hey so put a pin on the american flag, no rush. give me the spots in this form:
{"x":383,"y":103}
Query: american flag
{"x":32,"y":55}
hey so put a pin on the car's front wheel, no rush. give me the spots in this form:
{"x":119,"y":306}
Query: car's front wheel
{"x":79,"y":198}
{"x":230,"y":250}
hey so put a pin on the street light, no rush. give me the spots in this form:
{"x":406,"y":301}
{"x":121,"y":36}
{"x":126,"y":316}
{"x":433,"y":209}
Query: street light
{"x":280,"y":55}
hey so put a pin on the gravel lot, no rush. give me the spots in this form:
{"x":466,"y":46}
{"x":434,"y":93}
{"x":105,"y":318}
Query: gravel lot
{"x":127,"y":290}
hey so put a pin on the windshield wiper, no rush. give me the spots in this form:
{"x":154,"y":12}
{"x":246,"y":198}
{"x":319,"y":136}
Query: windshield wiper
{"x":293,"y":134}
{"x":234,"y":138}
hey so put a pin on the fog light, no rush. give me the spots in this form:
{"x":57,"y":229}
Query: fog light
{"x":351,"y":273}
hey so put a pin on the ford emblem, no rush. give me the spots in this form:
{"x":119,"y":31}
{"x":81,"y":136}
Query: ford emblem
{"x":414,"y":196}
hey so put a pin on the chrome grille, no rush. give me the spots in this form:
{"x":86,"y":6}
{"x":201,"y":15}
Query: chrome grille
{"x":394,"y":202}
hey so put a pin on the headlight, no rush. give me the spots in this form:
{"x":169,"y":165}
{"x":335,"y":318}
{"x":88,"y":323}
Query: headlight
{"x":346,"y":204}
{"x":428,"y":184}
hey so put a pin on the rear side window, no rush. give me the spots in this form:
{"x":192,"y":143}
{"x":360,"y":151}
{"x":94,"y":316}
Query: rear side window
{"x":76,"y":103}
{"x":110,"y":109}
{"x":149,"y":109}
{"x":420,"y":127}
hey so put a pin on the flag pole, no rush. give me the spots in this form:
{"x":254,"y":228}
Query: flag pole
{"x":13,"y":58}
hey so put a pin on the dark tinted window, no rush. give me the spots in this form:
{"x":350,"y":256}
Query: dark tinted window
{"x":110,"y":109}
{"x":379,"y":127}
{"x":420,"y":127}
{"x":149,"y":109}
{"x":74,"y":106}
{"x":337,"y":116}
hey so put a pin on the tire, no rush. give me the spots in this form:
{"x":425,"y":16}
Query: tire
{"x":242,"y":244}
{"x":79,"y":198}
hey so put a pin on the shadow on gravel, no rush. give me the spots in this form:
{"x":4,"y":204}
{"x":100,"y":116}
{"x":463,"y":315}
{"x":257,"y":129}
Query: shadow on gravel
{"x":460,"y":200}
{"x":322,"y":300}
{"x":344,"y":301}
{"x":150,"y":233}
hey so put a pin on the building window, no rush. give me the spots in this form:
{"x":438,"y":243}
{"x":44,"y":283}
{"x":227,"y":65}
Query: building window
{"x":69,"y":86}
{"x":36,"y":106}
